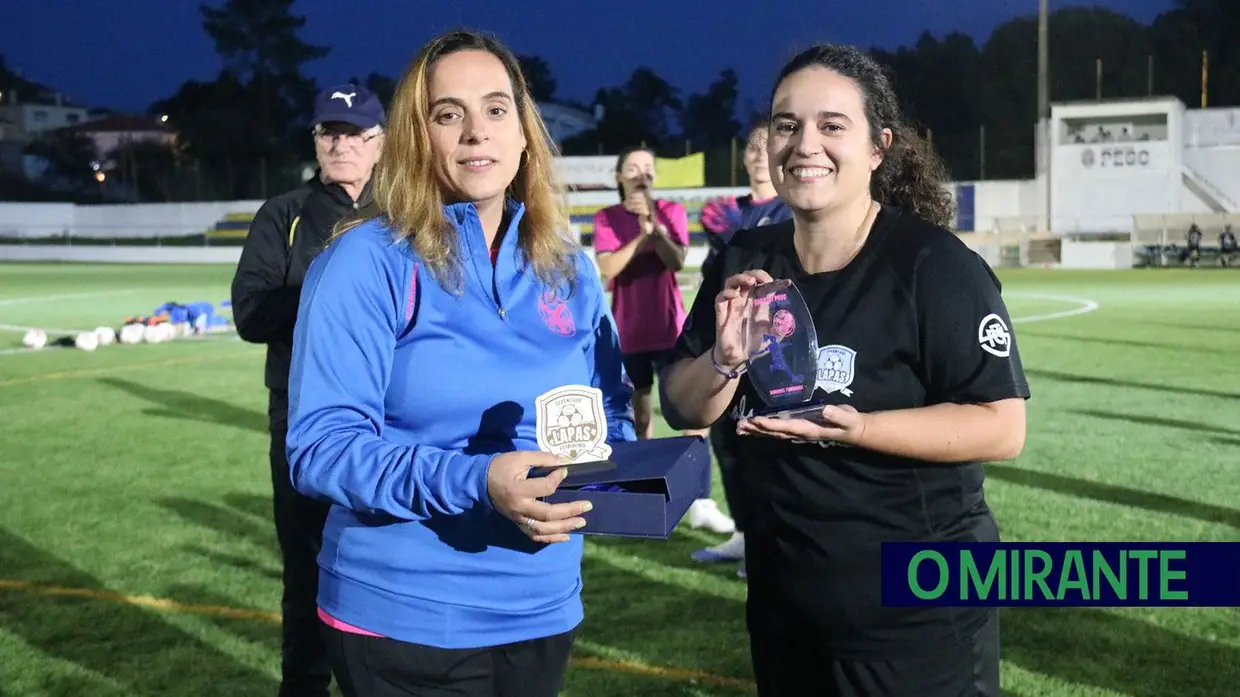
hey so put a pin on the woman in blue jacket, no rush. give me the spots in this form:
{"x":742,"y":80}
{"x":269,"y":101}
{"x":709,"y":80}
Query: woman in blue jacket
{"x":425,"y":336}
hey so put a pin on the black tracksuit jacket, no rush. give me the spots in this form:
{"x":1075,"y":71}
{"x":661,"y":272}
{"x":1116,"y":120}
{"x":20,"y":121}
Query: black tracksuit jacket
{"x":288,"y":231}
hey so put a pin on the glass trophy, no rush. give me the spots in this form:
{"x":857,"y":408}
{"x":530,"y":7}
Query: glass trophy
{"x":781,"y":345}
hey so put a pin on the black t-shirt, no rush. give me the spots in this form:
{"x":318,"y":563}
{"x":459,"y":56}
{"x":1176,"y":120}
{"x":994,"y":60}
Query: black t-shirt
{"x":915,"y":319}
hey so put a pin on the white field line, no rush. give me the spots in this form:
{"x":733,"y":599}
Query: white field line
{"x":1084,"y":307}
{"x":50,"y":330}
{"x":6,"y":302}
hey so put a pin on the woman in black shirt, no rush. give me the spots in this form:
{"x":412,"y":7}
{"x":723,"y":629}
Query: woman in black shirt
{"x":922,"y":382}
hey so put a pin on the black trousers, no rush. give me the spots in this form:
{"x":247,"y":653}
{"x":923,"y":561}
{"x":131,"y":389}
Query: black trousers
{"x":785,"y":661}
{"x":305,"y":664}
{"x":374,"y":667}
{"x":722,"y":434}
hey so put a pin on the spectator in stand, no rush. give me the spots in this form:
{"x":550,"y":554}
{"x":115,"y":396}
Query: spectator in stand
{"x":1226,"y":246}
{"x":1193,"y":252}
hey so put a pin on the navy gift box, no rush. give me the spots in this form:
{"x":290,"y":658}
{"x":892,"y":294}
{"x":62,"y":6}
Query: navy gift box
{"x":643,"y":490}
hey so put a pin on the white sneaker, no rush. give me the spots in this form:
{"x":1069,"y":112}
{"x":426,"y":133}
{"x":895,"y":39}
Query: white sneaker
{"x":731,"y":550}
{"x":705,"y":513}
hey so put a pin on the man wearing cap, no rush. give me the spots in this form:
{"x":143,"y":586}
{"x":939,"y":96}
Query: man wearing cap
{"x":288,"y":231}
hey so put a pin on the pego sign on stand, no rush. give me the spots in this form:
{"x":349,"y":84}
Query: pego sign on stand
{"x":1136,"y":156}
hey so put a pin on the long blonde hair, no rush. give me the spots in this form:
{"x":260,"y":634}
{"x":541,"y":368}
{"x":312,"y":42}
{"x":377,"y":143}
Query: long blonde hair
{"x":409,"y":196}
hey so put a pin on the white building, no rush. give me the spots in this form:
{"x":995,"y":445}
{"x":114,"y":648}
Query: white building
{"x":119,"y":130}
{"x":565,"y":121}
{"x":1120,"y":168}
{"x":1112,"y":162}
{"x":29,"y":118}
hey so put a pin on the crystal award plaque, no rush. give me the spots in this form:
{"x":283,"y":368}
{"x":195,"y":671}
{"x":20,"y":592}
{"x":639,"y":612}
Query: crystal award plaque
{"x":781,"y":344}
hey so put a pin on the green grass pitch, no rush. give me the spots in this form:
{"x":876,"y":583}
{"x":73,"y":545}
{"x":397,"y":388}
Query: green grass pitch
{"x":137,"y":555}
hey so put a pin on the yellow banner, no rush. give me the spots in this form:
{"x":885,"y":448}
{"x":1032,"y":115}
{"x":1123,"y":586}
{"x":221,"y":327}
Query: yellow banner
{"x":688,"y":172}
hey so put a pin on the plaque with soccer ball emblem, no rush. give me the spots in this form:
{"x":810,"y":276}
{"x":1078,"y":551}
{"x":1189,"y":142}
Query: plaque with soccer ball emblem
{"x":781,"y":345}
{"x":636,"y":488}
{"x":570,"y":422}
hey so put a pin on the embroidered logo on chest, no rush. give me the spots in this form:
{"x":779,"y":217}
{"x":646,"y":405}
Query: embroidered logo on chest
{"x":556,"y":315}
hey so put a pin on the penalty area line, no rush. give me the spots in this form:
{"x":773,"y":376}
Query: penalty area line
{"x":166,"y":605}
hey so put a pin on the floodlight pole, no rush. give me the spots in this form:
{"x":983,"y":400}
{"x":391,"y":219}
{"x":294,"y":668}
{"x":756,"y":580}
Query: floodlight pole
{"x":1044,"y":102}
{"x":1044,"y":96}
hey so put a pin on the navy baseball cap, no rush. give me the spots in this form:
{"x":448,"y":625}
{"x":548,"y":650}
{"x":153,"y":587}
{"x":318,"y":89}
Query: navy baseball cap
{"x":352,"y":104}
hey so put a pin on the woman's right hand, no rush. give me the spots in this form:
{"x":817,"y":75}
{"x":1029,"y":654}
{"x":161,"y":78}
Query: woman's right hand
{"x":730,"y":306}
{"x":635,"y":202}
{"x":516,"y":495}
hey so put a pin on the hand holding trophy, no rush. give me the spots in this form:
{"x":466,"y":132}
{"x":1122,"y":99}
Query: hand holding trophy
{"x":731,"y":309}
{"x":780,"y":345}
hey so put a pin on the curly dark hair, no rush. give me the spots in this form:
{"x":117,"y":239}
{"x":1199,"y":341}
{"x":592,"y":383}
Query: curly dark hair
{"x":912,"y":176}
{"x":759,"y":122}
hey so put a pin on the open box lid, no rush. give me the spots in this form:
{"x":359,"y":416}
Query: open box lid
{"x":631,"y":461}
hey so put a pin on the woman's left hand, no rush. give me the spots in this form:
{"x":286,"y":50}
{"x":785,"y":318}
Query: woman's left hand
{"x":842,"y":424}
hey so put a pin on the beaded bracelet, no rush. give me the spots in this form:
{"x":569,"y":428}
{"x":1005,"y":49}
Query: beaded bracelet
{"x":729,"y":374}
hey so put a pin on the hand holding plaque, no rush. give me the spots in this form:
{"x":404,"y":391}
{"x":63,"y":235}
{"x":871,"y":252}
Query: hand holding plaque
{"x":638,"y":488}
{"x":781,"y":348}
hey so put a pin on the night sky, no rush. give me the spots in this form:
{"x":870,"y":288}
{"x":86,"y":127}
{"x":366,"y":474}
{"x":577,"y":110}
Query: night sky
{"x":125,"y":54}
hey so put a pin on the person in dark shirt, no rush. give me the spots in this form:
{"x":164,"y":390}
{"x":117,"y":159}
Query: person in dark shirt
{"x":1227,"y":246}
{"x":921,"y":381}
{"x":722,"y":218}
{"x":1193,"y":250}
{"x":288,"y":232}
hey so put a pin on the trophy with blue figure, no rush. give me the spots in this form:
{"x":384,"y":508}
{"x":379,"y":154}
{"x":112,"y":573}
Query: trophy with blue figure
{"x":781,"y":348}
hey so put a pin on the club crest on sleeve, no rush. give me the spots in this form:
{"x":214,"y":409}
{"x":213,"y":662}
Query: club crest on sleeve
{"x":994,"y":336}
{"x":836,"y":365}
{"x":571,"y":423}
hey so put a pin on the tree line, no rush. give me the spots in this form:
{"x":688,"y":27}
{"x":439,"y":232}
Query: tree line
{"x":244,"y":134}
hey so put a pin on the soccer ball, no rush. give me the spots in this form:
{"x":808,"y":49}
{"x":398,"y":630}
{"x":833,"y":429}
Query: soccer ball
{"x":87,"y":341}
{"x":106,"y":335}
{"x":152,"y":334}
{"x":35,"y":339}
{"x":570,"y":415}
{"x":131,"y":334}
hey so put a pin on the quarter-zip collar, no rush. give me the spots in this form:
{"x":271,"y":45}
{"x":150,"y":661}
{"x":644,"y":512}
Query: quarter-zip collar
{"x":476,"y":254}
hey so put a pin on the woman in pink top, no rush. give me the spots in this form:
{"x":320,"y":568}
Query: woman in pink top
{"x":640,"y":244}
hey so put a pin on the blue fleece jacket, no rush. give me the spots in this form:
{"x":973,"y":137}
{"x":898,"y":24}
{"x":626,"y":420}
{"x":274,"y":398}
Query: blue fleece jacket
{"x":401,"y":393}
